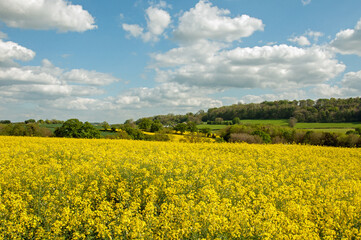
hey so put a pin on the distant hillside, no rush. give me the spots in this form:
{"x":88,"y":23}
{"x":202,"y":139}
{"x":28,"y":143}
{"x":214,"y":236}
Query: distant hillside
{"x":321,"y":110}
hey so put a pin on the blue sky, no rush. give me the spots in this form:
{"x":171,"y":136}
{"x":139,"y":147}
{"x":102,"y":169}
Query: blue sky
{"x":115,"y":60}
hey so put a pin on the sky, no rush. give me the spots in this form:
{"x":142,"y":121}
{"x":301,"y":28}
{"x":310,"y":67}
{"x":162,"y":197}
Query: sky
{"x":115,"y":60}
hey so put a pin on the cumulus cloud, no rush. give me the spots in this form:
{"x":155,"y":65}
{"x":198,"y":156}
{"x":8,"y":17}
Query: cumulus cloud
{"x":348,"y":41}
{"x":46,"y":14}
{"x":89,"y":77}
{"x":133,"y":29}
{"x":258,"y":67}
{"x":352,"y":80}
{"x":17,"y":75}
{"x":292,"y":95}
{"x":167,"y":95}
{"x":10,"y":51}
{"x":80,"y":103}
{"x":302,"y":40}
{"x":205,"y":21}
{"x":46,"y":81}
{"x":349,"y":87}
{"x":157,"y":21}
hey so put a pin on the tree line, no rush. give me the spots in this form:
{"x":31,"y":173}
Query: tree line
{"x":252,"y":133}
{"x":321,"y":110}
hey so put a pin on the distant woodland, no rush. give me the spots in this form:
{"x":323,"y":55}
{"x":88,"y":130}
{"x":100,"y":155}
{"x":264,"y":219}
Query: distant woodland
{"x":321,"y":110}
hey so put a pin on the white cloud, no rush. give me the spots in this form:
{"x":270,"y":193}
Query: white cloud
{"x":352,"y":80}
{"x":292,"y":95}
{"x":349,"y":87}
{"x":306,"y":2}
{"x":80,"y":103}
{"x":167,"y":95}
{"x":46,"y":81}
{"x":10,"y":51}
{"x":157,"y":21}
{"x":207,"y":22}
{"x":313,"y":34}
{"x":89,"y":77}
{"x":278,"y":66}
{"x":327,"y":91}
{"x":302,"y":40}
{"x":16,"y":75}
{"x":200,"y":52}
{"x":348,"y":41}
{"x":134,"y":29}
{"x":160,"y":4}
{"x":45,"y":14}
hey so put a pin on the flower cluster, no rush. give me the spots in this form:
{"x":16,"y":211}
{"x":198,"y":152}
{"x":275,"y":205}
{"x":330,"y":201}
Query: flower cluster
{"x":52,"y":188}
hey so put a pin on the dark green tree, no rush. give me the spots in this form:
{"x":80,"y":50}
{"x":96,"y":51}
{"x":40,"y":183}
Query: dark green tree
{"x":73,"y":128}
{"x":29,"y":121}
{"x":236,"y":120}
{"x":144,"y":124}
{"x":192,"y":127}
{"x":156,"y":126}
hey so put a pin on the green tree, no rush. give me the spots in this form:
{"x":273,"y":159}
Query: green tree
{"x":236,"y":120}
{"x":145,"y":124}
{"x":29,"y":121}
{"x":292,"y":122}
{"x":73,"y":128}
{"x":192,"y":127}
{"x":105,"y":125}
{"x":180,"y":127}
{"x":156,"y":126}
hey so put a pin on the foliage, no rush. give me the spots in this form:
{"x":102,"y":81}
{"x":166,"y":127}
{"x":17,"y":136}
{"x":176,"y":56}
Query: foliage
{"x":180,"y":127}
{"x":21,"y":129}
{"x":276,"y":134}
{"x":144,"y":124}
{"x":73,"y":128}
{"x":29,"y":121}
{"x":236,"y":120}
{"x":5,"y":121}
{"x":156,"y":126}
{"x":105,"y":125}
{"x":292,"y":122}
{"x":133,"y":133}
{"x":321,"y":110}
{"x":102,"y":189}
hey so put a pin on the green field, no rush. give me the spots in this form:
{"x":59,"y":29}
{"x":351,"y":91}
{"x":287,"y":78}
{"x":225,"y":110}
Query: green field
{"x":52,"y":127}
{"x":319,"y":127}
{"x":276,"y":122}
{"x":328,"y":125}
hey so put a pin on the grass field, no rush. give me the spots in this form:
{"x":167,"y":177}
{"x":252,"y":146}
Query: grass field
{"x":319,"y":127}
{"x":53,"y":188}
{"x":352,"y":125}
{"x":51,"y":127}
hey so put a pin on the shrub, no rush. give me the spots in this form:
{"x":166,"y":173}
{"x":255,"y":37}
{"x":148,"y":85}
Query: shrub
{"x":244,"y":137}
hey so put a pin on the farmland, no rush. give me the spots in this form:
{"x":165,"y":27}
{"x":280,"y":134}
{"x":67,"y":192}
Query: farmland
{"x":121,"y":189}
{"x":323,"y":127}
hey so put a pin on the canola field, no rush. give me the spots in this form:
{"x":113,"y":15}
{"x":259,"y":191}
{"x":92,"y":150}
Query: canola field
{"x":53,"y":188}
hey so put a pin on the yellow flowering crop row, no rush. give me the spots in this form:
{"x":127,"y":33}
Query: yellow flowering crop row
{"x":53,"y":188}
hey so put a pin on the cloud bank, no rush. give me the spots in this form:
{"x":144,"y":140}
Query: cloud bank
{"x":46,"y":14}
